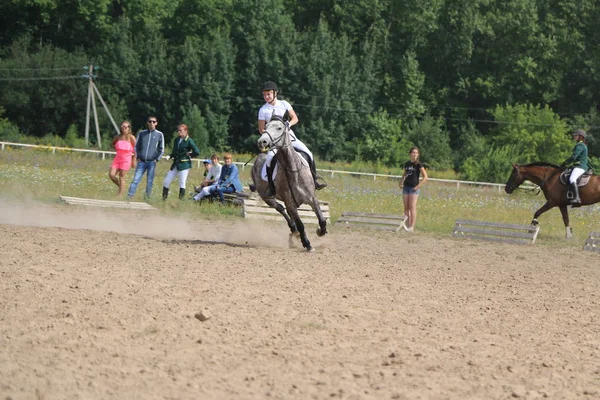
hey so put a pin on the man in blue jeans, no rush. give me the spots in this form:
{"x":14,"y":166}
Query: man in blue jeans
{"x":149,"y":147}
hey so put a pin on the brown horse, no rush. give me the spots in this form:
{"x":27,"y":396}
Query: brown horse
{"x":547,"y":177}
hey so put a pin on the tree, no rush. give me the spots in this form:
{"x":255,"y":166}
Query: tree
{"x":537,"y":133}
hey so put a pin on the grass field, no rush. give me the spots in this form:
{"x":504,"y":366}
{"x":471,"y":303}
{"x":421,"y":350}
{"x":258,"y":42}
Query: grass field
{"x":43,"y":176}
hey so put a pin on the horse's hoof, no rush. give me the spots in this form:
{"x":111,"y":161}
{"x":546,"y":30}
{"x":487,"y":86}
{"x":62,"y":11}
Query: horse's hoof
{"x":321,"y":233}
{"x":534,"y":222}
{"x":310,"y":249}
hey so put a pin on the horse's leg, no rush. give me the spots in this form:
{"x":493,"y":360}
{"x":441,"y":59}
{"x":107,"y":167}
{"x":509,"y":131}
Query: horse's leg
{"x":565,"y":216}
{"x":281,"y":210}
{"x":542,"y":210}
{"x":322,"y":229}
{"x":300,"y":225}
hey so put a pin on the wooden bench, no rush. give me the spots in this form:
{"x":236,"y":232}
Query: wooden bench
{"x":494,"y":231}
{"x":106,"y":203}
{"x":593,"y":242}
{"x":388,"y":222}
{"x":255,"y":208}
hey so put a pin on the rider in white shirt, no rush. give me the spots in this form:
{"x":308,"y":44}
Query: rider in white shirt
{"x":282,"y":109}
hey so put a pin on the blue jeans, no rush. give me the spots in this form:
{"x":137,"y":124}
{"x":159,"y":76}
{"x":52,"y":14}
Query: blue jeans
{"x":143,"y":166}
{"x":220,"y":190}
{"x":410,"y":190}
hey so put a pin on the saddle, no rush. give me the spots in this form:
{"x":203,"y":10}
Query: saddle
{"x":581,"y":181}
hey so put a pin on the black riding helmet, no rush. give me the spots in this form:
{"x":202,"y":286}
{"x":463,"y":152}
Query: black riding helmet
{"x":580,"y":132}
{"x":269,"y":85}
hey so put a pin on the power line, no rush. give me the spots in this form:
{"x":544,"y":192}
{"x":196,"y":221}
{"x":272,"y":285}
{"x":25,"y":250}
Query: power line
{"x":39,"y":69}
{"x":296,"y":105}
{"x":40,"y":78}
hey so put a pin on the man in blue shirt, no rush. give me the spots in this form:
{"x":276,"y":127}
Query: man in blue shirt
{"x":148,"y":150}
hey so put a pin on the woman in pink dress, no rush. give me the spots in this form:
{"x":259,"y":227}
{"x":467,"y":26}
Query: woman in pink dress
{"x":124,"y":144}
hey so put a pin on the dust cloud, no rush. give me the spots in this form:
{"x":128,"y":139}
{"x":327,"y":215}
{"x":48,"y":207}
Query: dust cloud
{"x":145,"y":223}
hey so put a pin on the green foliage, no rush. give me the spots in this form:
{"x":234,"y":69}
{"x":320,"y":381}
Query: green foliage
{"x":8,"y":131}
{"x":433,"y":141}
{"x":384,"y":141}
{"x":537,"y":133}
{"x":491,"y":166}
{"x":470,"y":144}
{"x":435,"y":65}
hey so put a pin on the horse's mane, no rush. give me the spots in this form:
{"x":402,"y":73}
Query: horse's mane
{"x":541,"y":164}
{"x":276,"y":118}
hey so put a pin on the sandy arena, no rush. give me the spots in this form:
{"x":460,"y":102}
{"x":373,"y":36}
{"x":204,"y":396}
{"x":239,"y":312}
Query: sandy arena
{"x":99,"y":304}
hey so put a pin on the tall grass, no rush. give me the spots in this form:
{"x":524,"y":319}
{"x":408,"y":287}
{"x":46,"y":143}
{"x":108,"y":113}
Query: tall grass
{"x":41,"y":175}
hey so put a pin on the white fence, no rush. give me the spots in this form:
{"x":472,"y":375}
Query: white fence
{"x":330,"y":172}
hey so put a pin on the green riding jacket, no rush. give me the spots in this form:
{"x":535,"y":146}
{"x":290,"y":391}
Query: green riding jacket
{"x":183,"y":152}
{"x":579,"y":158}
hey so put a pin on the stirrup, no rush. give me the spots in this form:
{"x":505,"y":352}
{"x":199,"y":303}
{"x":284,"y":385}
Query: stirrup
{"x":319,"y":186}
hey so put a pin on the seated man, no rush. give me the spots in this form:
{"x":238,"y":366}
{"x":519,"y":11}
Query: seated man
{"x":229,"y":181}
{"x":213,"y":172}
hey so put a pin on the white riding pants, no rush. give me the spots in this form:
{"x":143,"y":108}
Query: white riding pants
{"x":182,"y":176}
{"x":577,"y":172}
{"x":204,"y":192}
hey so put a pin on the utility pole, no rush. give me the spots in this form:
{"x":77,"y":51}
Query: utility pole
{"x":91,"y":103}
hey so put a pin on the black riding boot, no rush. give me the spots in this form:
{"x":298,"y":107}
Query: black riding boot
{"x":313,"y":170}
{"x":181,"y":193}
{"x":270,"y":192}
{"x":575,"y":201}
{"x":165,"y":193}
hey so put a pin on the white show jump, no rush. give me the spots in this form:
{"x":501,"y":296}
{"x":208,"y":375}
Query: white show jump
{"x":387,"y":222}
{"x":495,"y":231}
{"x":132,"y":205}
{"x":593,"y":242}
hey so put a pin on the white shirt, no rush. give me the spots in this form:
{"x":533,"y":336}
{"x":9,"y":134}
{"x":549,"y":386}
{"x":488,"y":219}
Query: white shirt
{"x":214,"y":172}
{"x":267,"y":110}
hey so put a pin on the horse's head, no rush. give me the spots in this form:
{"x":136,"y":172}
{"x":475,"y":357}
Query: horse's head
{"x":274,"y":135}
{"x":514,"y":180}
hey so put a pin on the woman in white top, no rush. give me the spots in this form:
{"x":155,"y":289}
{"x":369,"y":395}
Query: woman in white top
{"x":282,"y":109}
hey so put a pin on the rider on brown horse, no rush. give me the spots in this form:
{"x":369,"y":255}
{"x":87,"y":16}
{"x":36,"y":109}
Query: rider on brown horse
{"x":579,"y":162}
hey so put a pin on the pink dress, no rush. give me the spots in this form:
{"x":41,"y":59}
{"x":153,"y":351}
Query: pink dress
{"x":124,"y":150}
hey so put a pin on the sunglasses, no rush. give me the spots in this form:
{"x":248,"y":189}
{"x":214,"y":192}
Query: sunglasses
{"x":151,"y":121}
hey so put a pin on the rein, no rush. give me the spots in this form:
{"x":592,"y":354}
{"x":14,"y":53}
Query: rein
{"x":536,"y":190}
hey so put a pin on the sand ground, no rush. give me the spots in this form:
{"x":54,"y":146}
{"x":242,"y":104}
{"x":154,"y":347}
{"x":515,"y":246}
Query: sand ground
{"x":98,"y":304}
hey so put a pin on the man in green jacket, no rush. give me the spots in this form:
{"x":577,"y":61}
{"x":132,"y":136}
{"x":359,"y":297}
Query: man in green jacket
{"x":184,"y":149}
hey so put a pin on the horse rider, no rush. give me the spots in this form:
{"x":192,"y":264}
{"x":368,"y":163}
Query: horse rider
{"x":282,"y":109}
{"x":579,"y":162}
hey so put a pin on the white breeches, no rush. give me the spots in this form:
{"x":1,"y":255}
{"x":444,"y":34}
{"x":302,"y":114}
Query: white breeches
{"x":296,"y":144}
{"x":577,"y":172}
{"x":204,"y":192}
{"x":171,"y":175}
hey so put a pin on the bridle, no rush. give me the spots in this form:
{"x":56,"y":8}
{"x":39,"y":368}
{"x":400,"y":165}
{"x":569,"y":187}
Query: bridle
{"x":275,"y":142}
{"x":535,"y":190}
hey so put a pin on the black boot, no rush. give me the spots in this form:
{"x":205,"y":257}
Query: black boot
{"x":575,"y":201}
{"x":313,"y":170}
{"x":270,"y":192}
{"x":181,"y":193}
{"x":165,"y":193}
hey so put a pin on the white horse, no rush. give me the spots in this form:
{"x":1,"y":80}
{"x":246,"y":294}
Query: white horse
{"x":294,"y":183}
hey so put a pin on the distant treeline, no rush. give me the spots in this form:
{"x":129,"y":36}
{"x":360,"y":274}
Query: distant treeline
{"x":477,"y":84}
